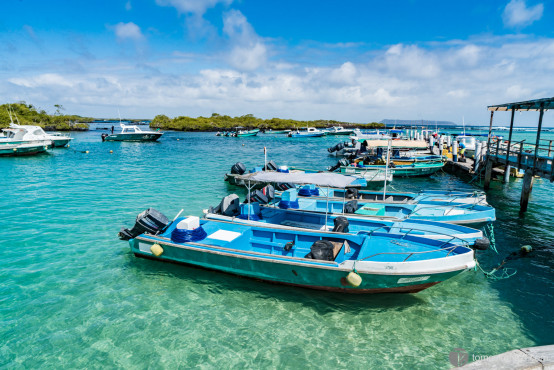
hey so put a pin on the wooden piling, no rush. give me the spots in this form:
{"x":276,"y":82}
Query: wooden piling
{"x":488,"y":174}
{"x":526,"y":190}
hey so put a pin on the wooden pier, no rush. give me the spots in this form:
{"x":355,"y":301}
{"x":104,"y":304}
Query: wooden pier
{"x":500,"y":158}
{"x":536,"y":159}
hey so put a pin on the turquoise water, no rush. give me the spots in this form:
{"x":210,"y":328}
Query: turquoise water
{"x":72,"y":295}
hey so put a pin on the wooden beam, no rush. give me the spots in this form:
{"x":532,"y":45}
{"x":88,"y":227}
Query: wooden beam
{"x":526,"y":190}
{"x":488,"y":174}
{"x":538,"y":136}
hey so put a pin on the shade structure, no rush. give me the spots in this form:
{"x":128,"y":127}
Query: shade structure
{"x":329,"y":179}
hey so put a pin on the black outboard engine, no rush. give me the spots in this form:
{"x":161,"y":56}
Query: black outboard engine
{"x":104,"y":136}
{"x":341,"y":225}
{"x":238,"y":168}
{"x":336,"y":148}
{"x":270,"y":166}
{"x":351,"y":207}
{"x":351,"y":193}
{"x":150,"y":221}
{"x":282,"y":186}
{"x":321,"y":250}
{"x":229,"y":206}
{"x":341,"y":162}
{"x":263,"y":196}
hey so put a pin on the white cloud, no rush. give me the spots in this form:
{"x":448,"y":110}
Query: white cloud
{"x":198,"y":7}
{"x":128,"y":31}
{"x":446,"y":81}
{"x":517,"y":14}
{"x":248,"y":51}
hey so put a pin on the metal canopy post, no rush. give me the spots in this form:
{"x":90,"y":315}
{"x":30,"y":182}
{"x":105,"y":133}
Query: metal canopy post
{"x":490,"y":133}
{"x":507,"y":167}
{"x":541,"y":114}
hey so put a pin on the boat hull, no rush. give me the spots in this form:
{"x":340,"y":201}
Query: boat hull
{"x":134,"y":137}
{"x":322,"y":276}
{"x":21,"y":150}
{"x":399,"y":171}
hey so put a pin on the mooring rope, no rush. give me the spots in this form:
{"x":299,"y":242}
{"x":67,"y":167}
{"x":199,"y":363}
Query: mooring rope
{"x":489,"y":233}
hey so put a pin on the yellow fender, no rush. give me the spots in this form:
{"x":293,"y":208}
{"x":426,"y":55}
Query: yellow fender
{"x":156,"y":250}
{"x":354,"y":279}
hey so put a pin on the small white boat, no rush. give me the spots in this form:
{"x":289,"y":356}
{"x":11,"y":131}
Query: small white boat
{"x":339,"y":130}
{"x":309,"y":132}
{"x":26,"y":134}
{"x":376,"y":135}
{"x":132,"y":133}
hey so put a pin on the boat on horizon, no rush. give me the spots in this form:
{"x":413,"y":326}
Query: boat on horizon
{"x":308,"y":132}
{"x":132,"y":133}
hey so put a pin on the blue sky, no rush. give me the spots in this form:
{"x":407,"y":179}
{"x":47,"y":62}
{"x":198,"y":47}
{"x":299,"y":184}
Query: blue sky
{"x":357,"y":61}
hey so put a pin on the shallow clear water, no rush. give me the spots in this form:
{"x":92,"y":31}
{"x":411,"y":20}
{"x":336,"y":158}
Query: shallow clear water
{"x":72,"y":294}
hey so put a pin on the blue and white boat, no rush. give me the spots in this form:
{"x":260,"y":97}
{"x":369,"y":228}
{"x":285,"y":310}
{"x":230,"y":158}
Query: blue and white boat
{"x":309,"y":132}
{"x":442,"y":197}
{"x":363,"y":263}
{"x":456,"y":213}
{"x":351,"y":223}
{"x":288,"y":215}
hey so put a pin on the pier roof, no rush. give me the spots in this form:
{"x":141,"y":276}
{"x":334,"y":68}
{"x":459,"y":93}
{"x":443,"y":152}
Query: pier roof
{"x":546,"y":104}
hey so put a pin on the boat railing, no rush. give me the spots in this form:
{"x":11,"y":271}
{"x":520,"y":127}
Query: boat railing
{"x":414,"y":229}
{"x":449,"y":248}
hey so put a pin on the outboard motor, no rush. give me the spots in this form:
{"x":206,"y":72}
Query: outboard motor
{"x":351,"y":207}
{"x":341,"y":225}
{"x":336,"y":148}
{"x":341,"y":162}
{"x":351,"y":193}
{"x":151,"y":221}
{"x":104,"y":136}
{"x":283,"y":186}
{"x":321,"y":250}
{"x":270,"y":166}
{"x":229,"y":206}
{"x":263,"y":196}
{"x":238,"y":168}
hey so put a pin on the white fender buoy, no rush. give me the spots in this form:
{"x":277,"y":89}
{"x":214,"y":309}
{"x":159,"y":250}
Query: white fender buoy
{"x":354,"y":279}
{"x":156,"y":250}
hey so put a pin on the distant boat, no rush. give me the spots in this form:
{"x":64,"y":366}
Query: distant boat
{"x":373,"y":135}
{"x":274,"y":132}
{"x":246,"y":133}
{"x":132,"y":133}
{"x":309,"y":132}
{"x":339,"y":130}
{"x":19,"y":134}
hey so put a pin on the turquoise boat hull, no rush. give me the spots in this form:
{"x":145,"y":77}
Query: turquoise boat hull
{"x":133,"y":137}
{"x":413,"y":170}
{"x":248,"y":133}
{"x":259,"y":253}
